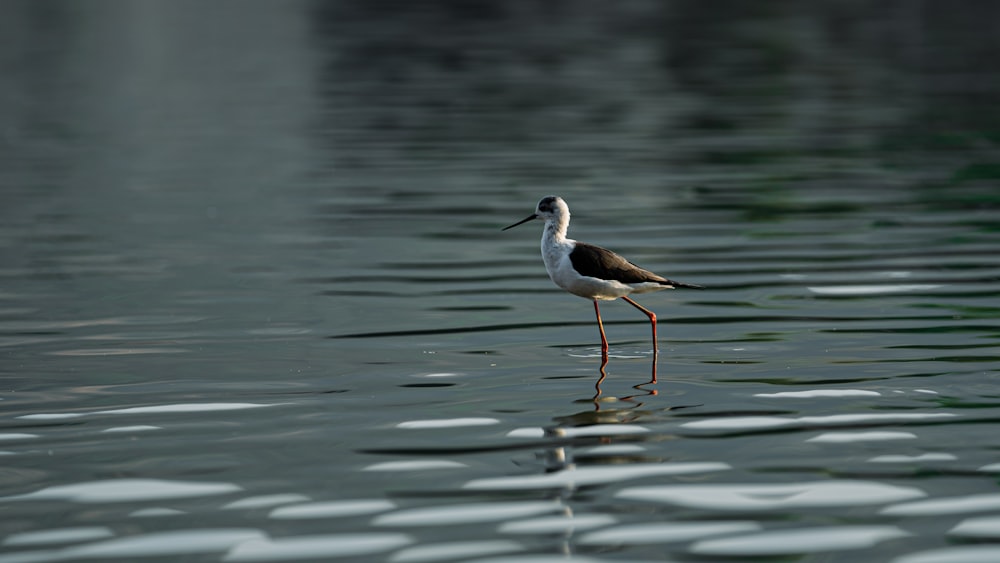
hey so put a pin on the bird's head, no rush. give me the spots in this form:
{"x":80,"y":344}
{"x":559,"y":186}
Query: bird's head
{"x":550,"y":208}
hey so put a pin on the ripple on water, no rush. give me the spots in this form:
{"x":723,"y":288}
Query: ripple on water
{"x":611,"y":450}
{"x":136,"y":428}
{"x":117,"y":351}
{"x":930,"y":456}
{"x":58,"y":536}
{"x":557,"y":524}
{"x":17,"y":436}
{"x":818,"y":393}
{"x":265,"y":501}
{"x":466,"y":513}
{"x":331,"y":509}
{"x":125,"y":490}
{"x":547,"y":559}
{"x":316,"y":547}
{"x":949,"y":505}
{"x":155,"y":512}
{"x":154,"y":409}
{"x":750,"y":423}
{"x":665,"y":532}
{"x":578,"y":431}
{"x":748,"y":496}
{"x":157,"y":544}
{"x":982,"y":527}
{"x":873,"y":289}
{"x":852,"y":437}
{"x":447,"y":423}
{"x":789,"y":542}
{"x":455,"y":550}
{"x":584,"y":476}
{"x":964,"y":554}
{"x":415,"y":465}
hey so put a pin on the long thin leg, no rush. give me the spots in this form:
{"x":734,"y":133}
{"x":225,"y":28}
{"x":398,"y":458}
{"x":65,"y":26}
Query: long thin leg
{"x":600,"y":325}
{"x":652,"y":320}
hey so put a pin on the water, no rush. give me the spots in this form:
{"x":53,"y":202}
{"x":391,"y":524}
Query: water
{"x":255,"y":304}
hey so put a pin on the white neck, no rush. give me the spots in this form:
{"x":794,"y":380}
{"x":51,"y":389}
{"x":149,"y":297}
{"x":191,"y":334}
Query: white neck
{"x":556,"y":229}
{"x":555,"y":247}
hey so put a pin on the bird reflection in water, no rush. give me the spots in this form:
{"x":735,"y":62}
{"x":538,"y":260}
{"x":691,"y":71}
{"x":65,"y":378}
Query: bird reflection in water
{"x":643,"y":392}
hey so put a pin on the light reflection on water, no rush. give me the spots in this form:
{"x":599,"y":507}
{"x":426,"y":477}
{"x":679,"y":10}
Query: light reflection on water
{"x":255,"y":304}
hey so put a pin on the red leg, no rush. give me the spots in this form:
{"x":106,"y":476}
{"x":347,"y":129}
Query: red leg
{"x":652,"y":320}
{"x":600,"y":325}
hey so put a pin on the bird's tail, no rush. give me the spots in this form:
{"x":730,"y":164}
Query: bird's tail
{"x":677,"y":284}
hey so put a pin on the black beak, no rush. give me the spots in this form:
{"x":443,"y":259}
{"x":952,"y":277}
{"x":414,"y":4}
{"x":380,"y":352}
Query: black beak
{"x":521,"y":222}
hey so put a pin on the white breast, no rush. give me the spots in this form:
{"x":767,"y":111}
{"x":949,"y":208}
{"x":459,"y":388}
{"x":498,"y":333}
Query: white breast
{"x":555,"y":254}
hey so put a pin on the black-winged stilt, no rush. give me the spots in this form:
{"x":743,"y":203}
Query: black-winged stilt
{"x":590,"y":271}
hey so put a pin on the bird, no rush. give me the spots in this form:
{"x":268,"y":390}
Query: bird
{"x":590,"y":271}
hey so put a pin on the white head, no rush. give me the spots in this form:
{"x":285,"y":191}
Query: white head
{"x":550,"y":209}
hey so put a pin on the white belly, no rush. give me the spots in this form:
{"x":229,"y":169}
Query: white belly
{"x":562,"y":274}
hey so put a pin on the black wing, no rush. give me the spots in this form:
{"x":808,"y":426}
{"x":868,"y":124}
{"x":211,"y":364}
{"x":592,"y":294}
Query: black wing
{"x":601,"y":263}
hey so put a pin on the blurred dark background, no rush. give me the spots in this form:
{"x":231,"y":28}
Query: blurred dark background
{"x":531,"y":90}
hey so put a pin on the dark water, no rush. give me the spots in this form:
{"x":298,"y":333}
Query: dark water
{"x":255,"y":304}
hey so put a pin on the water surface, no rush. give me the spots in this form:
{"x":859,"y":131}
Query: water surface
{"x":255,"y":304}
